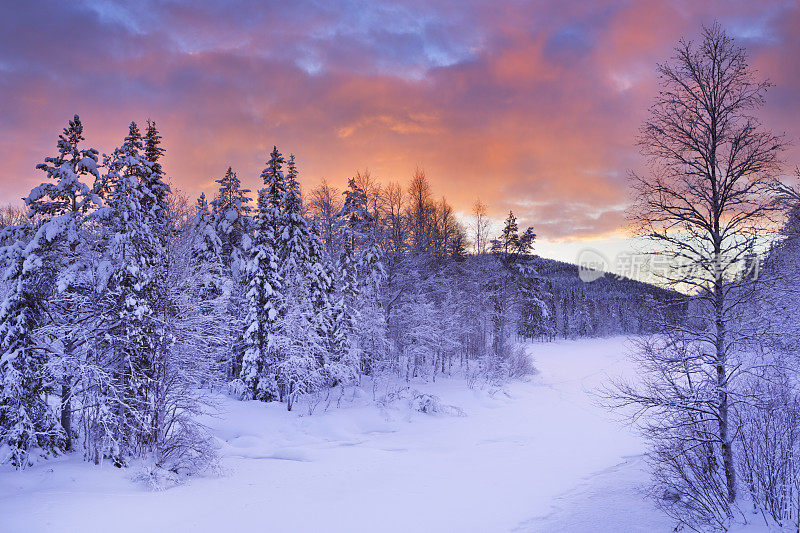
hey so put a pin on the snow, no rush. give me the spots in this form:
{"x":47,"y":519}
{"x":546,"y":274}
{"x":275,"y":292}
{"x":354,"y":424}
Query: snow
{"x":540,"y":455}
{"x":611,"y":499}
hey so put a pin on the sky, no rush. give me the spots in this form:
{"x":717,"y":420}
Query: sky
{"x":533,"y":106}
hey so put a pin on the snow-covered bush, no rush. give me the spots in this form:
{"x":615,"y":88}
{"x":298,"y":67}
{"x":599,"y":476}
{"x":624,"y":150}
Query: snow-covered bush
{"x":155,"y":478}
{"x":236,"y":389}
{"x":689,"y":483}
{"x":431,"y":404}
{"x":519,"y":363}
{"x":417,"y":401}
{"x":769,"y":451}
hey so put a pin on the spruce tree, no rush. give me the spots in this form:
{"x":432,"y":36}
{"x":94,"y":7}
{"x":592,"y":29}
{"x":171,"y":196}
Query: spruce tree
{"x":355,"y":215}
{"x":233,"y":225}
{"x":344,"y":359}
{"x":510,"y":246}
{"x":298,"y":366}
{"x":507,"y":242}
{"x":275,"y":188}
{"x":156,"y":207}
{"x":206,"y":250}
{"x":371,"y":330}
{"x":232,"y":220}
{"x":360,"y":274}
{"x":510,"y":249}
{"x":132,"y":342}
{"x":26,"y":420}
{"x":264,"y":296}
{"x":61,"y":206}
{"x":155,"y":212}
{"x":322,"y":294}
{"x":66,"y":193}
{"x":155,"y":190}
{"x":295,"y":236}
{"x":47,"y":250}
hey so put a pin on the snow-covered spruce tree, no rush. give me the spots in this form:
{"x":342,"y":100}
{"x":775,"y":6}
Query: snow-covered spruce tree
{"x":27,"y":423}
{"x":134,"y":337}
{"x":371,"y":331}
{"x":232,"y":221}
{"x":510,"y":250}
{"x":322,"y":294}
{"x":342,"y":362}
{"x":156,"y":206}
{"x":156,"y":191}
{"x":156,"y":196}
{"x":301,"y":349}
{"x":294,"y":239}
{"x":360,"y":274}
{"x":345,"y":358}
{"x":154,"y":345}
{"x":304,"y":286}
{"x":535,"y":318}
{"x":355,"y":218}
{"x":233,"y":224}
{"x":355,"y":214}
{"x":211,"y":287}
{"x":61,"y":207}
{"x":41,"y":321}
{"x":265,"y":301}
{"x":206,"y":254}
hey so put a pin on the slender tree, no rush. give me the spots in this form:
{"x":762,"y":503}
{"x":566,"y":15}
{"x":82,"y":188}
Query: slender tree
{"x":155,"y":189}
{"x":480,"y":226}
{"x":265,"y":298}
{"x":703,"y":205}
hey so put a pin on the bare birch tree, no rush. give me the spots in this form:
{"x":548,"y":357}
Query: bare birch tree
{"x":704,"y":205}
{"x":480,"y":226}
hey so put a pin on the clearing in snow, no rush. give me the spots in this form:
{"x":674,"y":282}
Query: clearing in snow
{"x":539,"y":455}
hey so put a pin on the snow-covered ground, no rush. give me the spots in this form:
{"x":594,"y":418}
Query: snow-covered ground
{"x":537,"y":456}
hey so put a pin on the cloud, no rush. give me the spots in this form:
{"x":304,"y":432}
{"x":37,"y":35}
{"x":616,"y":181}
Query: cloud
{"x":533,"y":106}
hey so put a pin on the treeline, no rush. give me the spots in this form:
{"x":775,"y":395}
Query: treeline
{"x":609,"y":305}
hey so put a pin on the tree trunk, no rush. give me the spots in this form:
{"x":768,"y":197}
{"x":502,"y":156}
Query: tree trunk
{"x":722,"y":388}
{"x":66,"y":412}
{"x":66,"y":398}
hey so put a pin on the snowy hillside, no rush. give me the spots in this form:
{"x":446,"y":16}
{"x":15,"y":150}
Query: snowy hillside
{"x":535,"y":456}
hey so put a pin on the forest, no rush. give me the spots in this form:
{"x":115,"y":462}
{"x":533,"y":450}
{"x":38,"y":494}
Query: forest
{"x":124,"y":300}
